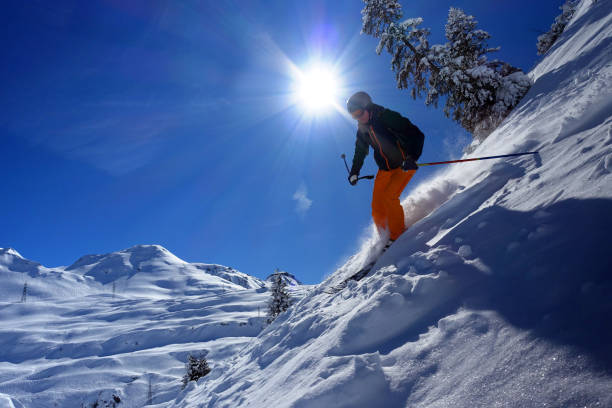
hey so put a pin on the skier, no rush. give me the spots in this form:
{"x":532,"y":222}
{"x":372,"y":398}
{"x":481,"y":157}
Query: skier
{"x":397,"y":144}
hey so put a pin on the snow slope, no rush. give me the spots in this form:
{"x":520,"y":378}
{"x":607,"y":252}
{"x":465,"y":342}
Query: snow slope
{"x":115,"y":324}
{"x":500,"y":293}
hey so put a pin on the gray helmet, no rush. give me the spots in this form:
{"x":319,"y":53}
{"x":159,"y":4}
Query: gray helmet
{"x":359,"y":100}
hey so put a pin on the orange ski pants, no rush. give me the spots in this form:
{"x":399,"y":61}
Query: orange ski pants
{"x":387,"y":212}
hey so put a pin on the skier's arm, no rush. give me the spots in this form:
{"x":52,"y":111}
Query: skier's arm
{"x":361,"y":151}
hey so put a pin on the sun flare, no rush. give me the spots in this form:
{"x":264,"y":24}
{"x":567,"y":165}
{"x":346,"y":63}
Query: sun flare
{"x":317,"y":89}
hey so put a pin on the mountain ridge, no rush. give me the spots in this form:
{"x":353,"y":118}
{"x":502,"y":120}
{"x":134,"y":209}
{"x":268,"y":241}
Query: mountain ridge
{"x":140,"y":270}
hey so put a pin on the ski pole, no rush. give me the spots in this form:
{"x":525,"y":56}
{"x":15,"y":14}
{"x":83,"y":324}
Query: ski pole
{"x":349,"y":172}
{"x":474,"y":159}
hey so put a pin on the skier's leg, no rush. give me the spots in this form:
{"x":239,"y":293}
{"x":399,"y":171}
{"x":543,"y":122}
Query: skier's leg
{"x":395,"y":212}
{"x":379,"y":205}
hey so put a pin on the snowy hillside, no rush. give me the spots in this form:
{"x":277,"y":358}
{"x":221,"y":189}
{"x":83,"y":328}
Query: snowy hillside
{"x":118,"y":326}
{"x":500,"y":293}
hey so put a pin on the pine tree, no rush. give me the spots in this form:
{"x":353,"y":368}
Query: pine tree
{"x":24,"y":293}
{"x":197,"y":367}
{"x":280,"y":299}
{"x":378,"y":15}
{"x":479,"y":93}
{"x":546,"y":40}
{"x":407,"y":42}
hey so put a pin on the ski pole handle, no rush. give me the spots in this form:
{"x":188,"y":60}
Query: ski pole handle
{"x":369,"y":177}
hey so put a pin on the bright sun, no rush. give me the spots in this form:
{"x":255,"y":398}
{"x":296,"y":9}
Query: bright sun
{"x":317,"y":89}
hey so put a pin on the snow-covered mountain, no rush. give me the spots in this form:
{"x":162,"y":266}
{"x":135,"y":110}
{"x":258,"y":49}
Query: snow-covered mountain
{"x":107,"y":326}
{"x":500,"y":293}
{"x":152,"y":266}
{"x":143,"y":270}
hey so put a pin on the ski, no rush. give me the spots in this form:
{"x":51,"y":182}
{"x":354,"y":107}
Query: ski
{"x":357,"y":276}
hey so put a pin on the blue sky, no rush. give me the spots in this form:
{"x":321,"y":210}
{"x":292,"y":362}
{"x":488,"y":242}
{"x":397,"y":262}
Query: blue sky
{"x":174,"y":123}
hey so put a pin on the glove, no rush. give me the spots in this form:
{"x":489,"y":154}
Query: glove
{"x":353,"y":179}
{"x":409,"y":164}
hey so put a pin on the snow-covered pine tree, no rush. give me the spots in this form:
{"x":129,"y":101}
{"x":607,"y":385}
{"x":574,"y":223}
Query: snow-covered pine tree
{"x":378,"y":15}
{"x":197,"y":367}
{"x":279,"y":298}
{"x":407,"y":42}
{"x":24,"y":293}
{"x":546,"y":40}
{"x":480,"y":93}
